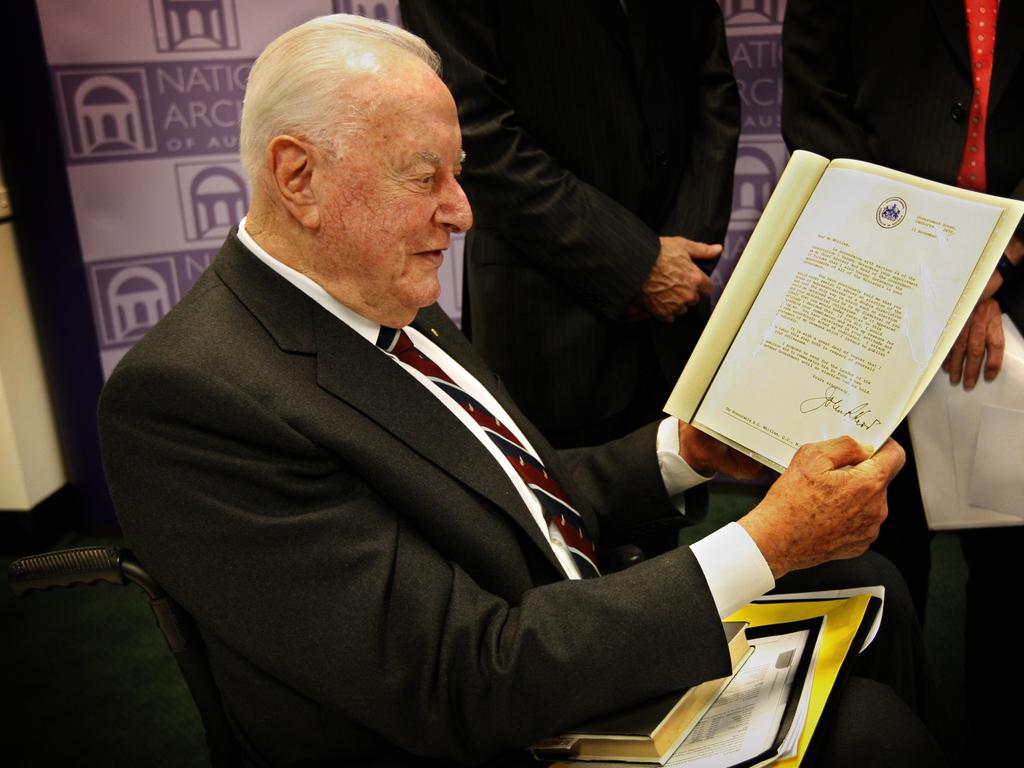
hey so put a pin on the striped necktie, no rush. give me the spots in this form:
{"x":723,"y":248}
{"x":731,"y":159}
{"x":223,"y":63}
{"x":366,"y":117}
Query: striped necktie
{"x":553,"y":500}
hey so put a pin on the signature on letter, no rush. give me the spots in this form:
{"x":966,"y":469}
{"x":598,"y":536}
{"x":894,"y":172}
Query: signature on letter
{"x":858,"y":414}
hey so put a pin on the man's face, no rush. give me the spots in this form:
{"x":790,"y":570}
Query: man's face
{"x":391,"y":203}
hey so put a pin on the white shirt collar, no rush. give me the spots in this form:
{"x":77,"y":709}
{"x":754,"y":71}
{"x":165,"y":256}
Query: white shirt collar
{"x":368,"y":329}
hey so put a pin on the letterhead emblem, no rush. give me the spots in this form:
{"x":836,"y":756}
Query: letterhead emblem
{"x":194,"y":25}
{"x":891,"y":212}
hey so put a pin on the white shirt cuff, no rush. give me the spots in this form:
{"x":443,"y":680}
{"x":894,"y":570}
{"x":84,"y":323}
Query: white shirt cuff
{"x":734,"y":567}
{"x":677,"y":475}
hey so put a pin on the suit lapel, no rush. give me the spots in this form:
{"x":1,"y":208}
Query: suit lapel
{"x":611,"y":15}
{"x":637,"y":23}
{"x":953,"y":23}
{"x":629,"y":29}
{"x":435,"y":324}
{"x":354,"y":371}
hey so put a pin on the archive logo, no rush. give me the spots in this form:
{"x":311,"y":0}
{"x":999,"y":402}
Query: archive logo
{"x":194,"y":25}
{"x":213,"y":198}
{"x":106,"y":112}
{"x":131,"y":295}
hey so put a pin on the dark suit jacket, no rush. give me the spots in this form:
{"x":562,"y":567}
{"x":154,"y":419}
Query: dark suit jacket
{"x":891,"y":83}
{"x":368,"y":582}
{"x":588,"y":135}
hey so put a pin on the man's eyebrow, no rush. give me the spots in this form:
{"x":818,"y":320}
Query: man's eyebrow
{"x":428,"y":157}
{"x":432,"y":158}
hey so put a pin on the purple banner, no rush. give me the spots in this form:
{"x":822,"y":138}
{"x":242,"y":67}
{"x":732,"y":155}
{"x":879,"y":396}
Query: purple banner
{"x":754,"y":32}
{"x":149,"y":95}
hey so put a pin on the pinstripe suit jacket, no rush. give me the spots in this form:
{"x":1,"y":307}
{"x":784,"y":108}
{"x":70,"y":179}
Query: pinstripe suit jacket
{"x":588,"y":135}
{"x":891,"y":83}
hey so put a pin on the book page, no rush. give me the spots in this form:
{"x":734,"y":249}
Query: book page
{"x":745,"y":720}
{"x":844,"y":623}
{"x":850,"y":317}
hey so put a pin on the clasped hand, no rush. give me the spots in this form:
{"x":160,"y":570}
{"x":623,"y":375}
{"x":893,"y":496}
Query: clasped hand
{"x":675,"y":282}
{"x":981,"y":339}
{"x":982,"y":336}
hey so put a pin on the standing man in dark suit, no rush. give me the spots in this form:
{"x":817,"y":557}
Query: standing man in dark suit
{"x":601,"y":137}
{"x":388,"y":563}
{"x":934,"y":88}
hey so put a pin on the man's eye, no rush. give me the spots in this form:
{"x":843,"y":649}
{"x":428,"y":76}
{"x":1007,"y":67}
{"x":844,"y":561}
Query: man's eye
{"x":425,"y":180}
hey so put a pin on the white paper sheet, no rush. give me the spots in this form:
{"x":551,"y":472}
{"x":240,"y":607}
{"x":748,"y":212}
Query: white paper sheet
{"x":966,"y":465}
{"x":997,"y":481}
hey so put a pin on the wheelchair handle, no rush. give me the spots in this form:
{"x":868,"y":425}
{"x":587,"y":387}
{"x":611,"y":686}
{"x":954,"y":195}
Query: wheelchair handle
{"x":66,"y":568}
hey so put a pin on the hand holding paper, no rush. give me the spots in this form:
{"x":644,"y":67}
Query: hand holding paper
{"x":828,"y":505}
{"x":706,"y":455}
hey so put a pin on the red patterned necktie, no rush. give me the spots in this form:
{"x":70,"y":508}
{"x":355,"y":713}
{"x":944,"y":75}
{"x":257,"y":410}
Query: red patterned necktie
{"x":981,"y":41}
{"x":553,"y":500}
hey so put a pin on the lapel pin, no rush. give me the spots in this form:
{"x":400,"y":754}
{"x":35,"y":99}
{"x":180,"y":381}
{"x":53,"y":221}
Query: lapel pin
{"x":436,"y":334}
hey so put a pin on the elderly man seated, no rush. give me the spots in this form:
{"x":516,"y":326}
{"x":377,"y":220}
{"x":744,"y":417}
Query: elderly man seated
{"x":387,"y":562}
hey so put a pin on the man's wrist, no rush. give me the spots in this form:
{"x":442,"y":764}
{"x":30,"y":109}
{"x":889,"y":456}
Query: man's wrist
{"x":675,"y":471}
{"x":1006,"y":268}
{"x":734,"y":567}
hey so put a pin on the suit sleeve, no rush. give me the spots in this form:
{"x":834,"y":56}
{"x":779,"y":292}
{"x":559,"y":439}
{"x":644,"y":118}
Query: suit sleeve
{"x":703,"y":203}
{"x":818,"y":82}
{"x":568,"y":228}
{"x":295,"y":557}
{"x":599,"y":474}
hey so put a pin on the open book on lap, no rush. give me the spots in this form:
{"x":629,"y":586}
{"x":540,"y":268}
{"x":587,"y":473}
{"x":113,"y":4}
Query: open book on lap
{"x":651,"y":731}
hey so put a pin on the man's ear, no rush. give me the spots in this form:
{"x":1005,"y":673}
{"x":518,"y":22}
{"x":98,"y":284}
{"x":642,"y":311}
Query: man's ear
{"x":292,"y":163}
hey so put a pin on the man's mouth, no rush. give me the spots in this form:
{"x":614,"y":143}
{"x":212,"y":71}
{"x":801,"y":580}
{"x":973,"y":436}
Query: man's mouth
{"x":434,"y":255}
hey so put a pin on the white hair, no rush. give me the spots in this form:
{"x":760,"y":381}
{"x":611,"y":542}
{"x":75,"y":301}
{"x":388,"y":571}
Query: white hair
{"x":297,"y":85}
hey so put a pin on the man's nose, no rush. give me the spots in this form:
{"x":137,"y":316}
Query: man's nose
{"x":454,"y":212}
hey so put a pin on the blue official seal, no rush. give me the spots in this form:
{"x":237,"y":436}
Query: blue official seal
{"x":891,"y":212}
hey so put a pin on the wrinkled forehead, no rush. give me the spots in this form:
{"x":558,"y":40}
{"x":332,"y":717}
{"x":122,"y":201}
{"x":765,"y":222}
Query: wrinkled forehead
{"x":410,"y":103}
{"x":405,"y":87}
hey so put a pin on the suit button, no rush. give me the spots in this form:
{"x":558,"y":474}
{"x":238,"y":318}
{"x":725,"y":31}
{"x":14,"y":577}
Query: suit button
{"x":662,"y":158}
{"x":957,"y":112}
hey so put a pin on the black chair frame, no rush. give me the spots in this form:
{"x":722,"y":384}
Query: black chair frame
{"x":116,"y":565}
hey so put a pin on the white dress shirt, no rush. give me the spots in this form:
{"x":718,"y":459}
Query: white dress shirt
{"x":735,"y":570}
